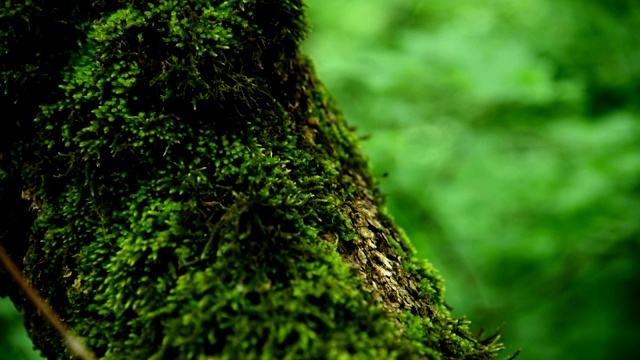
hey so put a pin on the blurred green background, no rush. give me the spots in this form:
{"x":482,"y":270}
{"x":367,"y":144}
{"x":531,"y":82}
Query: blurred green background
{"x":506,"y":135}
{"x":14,"y":342}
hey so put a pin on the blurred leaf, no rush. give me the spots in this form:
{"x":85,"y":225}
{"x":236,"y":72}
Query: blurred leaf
{"x":14,"y":342}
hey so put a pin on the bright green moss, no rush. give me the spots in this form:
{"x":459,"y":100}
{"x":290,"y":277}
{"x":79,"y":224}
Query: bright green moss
{"x":190,"y":173}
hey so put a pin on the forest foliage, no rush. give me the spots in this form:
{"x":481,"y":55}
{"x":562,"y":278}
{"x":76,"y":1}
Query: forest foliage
{"x":505,"y":135}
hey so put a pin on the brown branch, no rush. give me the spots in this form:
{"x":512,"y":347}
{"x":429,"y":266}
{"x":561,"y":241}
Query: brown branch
{"x":74,"y":344}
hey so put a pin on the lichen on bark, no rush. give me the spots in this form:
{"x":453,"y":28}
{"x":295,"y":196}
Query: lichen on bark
{"x":198,"y":194}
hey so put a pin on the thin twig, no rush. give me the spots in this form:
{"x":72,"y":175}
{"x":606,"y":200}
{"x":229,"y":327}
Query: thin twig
{"x":73,"y":343}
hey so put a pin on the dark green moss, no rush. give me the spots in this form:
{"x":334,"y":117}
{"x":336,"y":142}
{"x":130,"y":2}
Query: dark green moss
{"x":192,"y":175}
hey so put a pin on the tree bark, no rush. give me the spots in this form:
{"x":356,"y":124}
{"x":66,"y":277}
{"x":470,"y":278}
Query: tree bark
{"x":177,"y":183}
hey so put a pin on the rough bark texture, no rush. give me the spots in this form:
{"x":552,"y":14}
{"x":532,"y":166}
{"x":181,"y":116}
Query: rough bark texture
{"x":189,"y":190}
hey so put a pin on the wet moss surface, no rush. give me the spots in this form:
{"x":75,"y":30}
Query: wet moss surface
{"x":198,"y":194}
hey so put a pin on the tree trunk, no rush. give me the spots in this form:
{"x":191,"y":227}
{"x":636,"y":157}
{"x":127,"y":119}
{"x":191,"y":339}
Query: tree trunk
{"x":190,"y":190}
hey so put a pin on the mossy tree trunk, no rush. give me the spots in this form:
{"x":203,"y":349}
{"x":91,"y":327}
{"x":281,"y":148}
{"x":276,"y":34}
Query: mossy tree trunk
{"x":178,"y":184}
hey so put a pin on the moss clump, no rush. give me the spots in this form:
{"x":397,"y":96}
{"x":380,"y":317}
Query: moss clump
{"x":191,"y":178}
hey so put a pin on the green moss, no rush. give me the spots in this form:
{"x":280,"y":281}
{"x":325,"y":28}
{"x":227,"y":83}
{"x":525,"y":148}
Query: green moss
{"x":190,"y":172}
